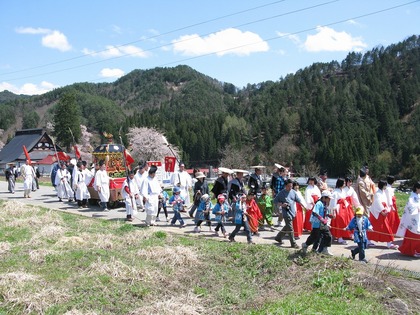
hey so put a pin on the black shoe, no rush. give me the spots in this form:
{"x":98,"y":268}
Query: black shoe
{"x":295,"y":246}
{"x":353,"y":254}
{"x":278,"y":239}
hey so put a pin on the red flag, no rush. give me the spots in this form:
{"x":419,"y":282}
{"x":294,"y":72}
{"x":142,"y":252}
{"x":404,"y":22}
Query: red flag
{"x":128,"y":158}
{"x":27,"y":155}
{"x":63,"y":156}
{"x":170,"y":163}
{"x":77,"y":152}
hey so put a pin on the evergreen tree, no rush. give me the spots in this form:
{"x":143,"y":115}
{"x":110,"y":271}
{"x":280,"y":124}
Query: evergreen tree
{"x":67,"y":120}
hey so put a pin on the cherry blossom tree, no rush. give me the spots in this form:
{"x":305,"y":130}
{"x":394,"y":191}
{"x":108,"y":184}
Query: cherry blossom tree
{"x":149,"y":144}
{"x":85,"y":146}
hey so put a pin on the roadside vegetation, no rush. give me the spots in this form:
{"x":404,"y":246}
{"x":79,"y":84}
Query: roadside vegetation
{"x":52,"y":262}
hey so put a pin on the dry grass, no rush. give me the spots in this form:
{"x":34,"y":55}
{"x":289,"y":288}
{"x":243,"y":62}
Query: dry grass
{"x":115,"y":269}
{"x":171,"y":256}
{"x":38,"y":256}
{"x":29,"y":292}
{"x":182,"y":304}
{"x":77,"y":312}
{"x":18,"y":214}
{"x":4,"y":247}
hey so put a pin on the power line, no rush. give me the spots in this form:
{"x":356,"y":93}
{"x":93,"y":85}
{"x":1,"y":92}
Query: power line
{"x":147,"y":38}
{"x":240,"y":46}
{"x":180,"y":41}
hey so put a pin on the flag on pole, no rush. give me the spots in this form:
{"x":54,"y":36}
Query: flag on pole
{"x":77,"y":153}
{"x":63,"y":156}
{"x":170,"y":163}
{"x":27,"y":155}
{"x":128,"y":158}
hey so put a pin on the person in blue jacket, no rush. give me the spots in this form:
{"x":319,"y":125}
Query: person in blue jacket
{"x":220,"y":210}
{"x":360,"y":224}
{"x":241,"y":220}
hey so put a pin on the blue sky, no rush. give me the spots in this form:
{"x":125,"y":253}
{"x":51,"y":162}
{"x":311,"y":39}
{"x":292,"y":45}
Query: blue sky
{"x":48,"y":43}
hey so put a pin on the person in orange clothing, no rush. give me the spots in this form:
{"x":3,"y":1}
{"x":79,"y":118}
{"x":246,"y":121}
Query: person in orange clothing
{"x":393,"y":217}
{"x":298,"y":219}
{"x":254,"y":213}
{"x":379,"y":218}
{"x":343,"y":214}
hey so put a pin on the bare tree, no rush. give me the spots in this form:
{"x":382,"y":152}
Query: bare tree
{"x":149,"y":144}
{"x":237,"y":158}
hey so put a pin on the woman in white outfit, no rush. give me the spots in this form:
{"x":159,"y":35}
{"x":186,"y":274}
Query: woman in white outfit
{"x":28,"y":175}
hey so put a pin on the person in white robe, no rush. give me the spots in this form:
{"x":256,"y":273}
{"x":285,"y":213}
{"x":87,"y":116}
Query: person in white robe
{"x":183,"y":180}
{"x":82,"y":193}
{"x":129,"y":192}
{"x":62,"y":183}
{"x":409,"y":227}
{"x":101,"y":185}
{"x":150,"y":191}
{"x":139,"y":177}
{"x":28,"y":175}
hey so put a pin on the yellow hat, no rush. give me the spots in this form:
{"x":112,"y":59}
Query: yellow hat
{"x":359,"y":210}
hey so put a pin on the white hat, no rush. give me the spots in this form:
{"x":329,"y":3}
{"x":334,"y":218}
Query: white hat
{"x":240,"y":171}
{"x":278,"y":166}
{"x":200,"y":175}
{"x":257,"y":166}
{"x":327,"y":193}
{"x":225,"y":170}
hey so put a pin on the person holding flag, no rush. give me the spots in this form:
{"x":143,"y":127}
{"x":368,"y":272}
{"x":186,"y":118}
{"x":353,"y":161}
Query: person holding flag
{"x":28,"y":174}
{"x":129,"y":192}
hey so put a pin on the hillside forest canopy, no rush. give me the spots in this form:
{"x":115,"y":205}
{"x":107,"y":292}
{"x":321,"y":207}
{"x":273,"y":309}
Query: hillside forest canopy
{"x":335,"y":115}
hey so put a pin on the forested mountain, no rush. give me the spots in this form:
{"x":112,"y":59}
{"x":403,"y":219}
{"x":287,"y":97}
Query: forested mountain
{"x":336,"y":115}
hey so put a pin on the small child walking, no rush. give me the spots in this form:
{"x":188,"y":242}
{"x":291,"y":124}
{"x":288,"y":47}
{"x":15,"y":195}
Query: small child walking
{"x":163,"y":198}
{"x":241,"y":220}
{"x":203,"y":213}
{"x":360,"y":224}
{"x":220,"y":210}
{"x":177,"y":203}
{"x":265,"y":203}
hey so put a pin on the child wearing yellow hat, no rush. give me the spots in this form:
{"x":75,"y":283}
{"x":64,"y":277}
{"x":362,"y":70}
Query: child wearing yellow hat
{"x":360,"y":224}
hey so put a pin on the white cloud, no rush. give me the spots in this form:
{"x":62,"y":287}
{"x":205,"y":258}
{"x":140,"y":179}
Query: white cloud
{"x":51,"y":39}
{"x":111,"y":73}
{"x":28,"y":88}
{"x":327,"y":39}
{"x":32,"y":30}
{"x":229,"y":41}
{"x":56,"y":40}
{"x":115,"y":51}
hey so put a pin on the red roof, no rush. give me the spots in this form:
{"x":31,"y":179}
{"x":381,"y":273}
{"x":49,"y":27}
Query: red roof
{"x":48,"y":160}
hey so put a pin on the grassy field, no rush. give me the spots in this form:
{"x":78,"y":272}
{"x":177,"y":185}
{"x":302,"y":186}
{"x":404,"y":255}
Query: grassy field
{"x":57,"y":263}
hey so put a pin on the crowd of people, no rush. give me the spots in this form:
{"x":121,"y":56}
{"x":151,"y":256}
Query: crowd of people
{"x":359,"y":211}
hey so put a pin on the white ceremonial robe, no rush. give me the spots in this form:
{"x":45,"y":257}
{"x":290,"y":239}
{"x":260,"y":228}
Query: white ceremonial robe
{"x":150,"y":191}
{"x":81,"y":187}
{"x":184,"y":182}
{"x":130,"y":201}
{"x":101,"y":185}
{"x":62,"y":182}
{"x":28,"y":175}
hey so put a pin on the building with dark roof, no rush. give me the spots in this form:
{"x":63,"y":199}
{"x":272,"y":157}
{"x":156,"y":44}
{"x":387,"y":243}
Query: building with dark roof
{"x":38,"y":143}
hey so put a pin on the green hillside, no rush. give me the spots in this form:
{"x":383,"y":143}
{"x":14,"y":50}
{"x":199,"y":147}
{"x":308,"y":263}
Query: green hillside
{"x":337,"y":115}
